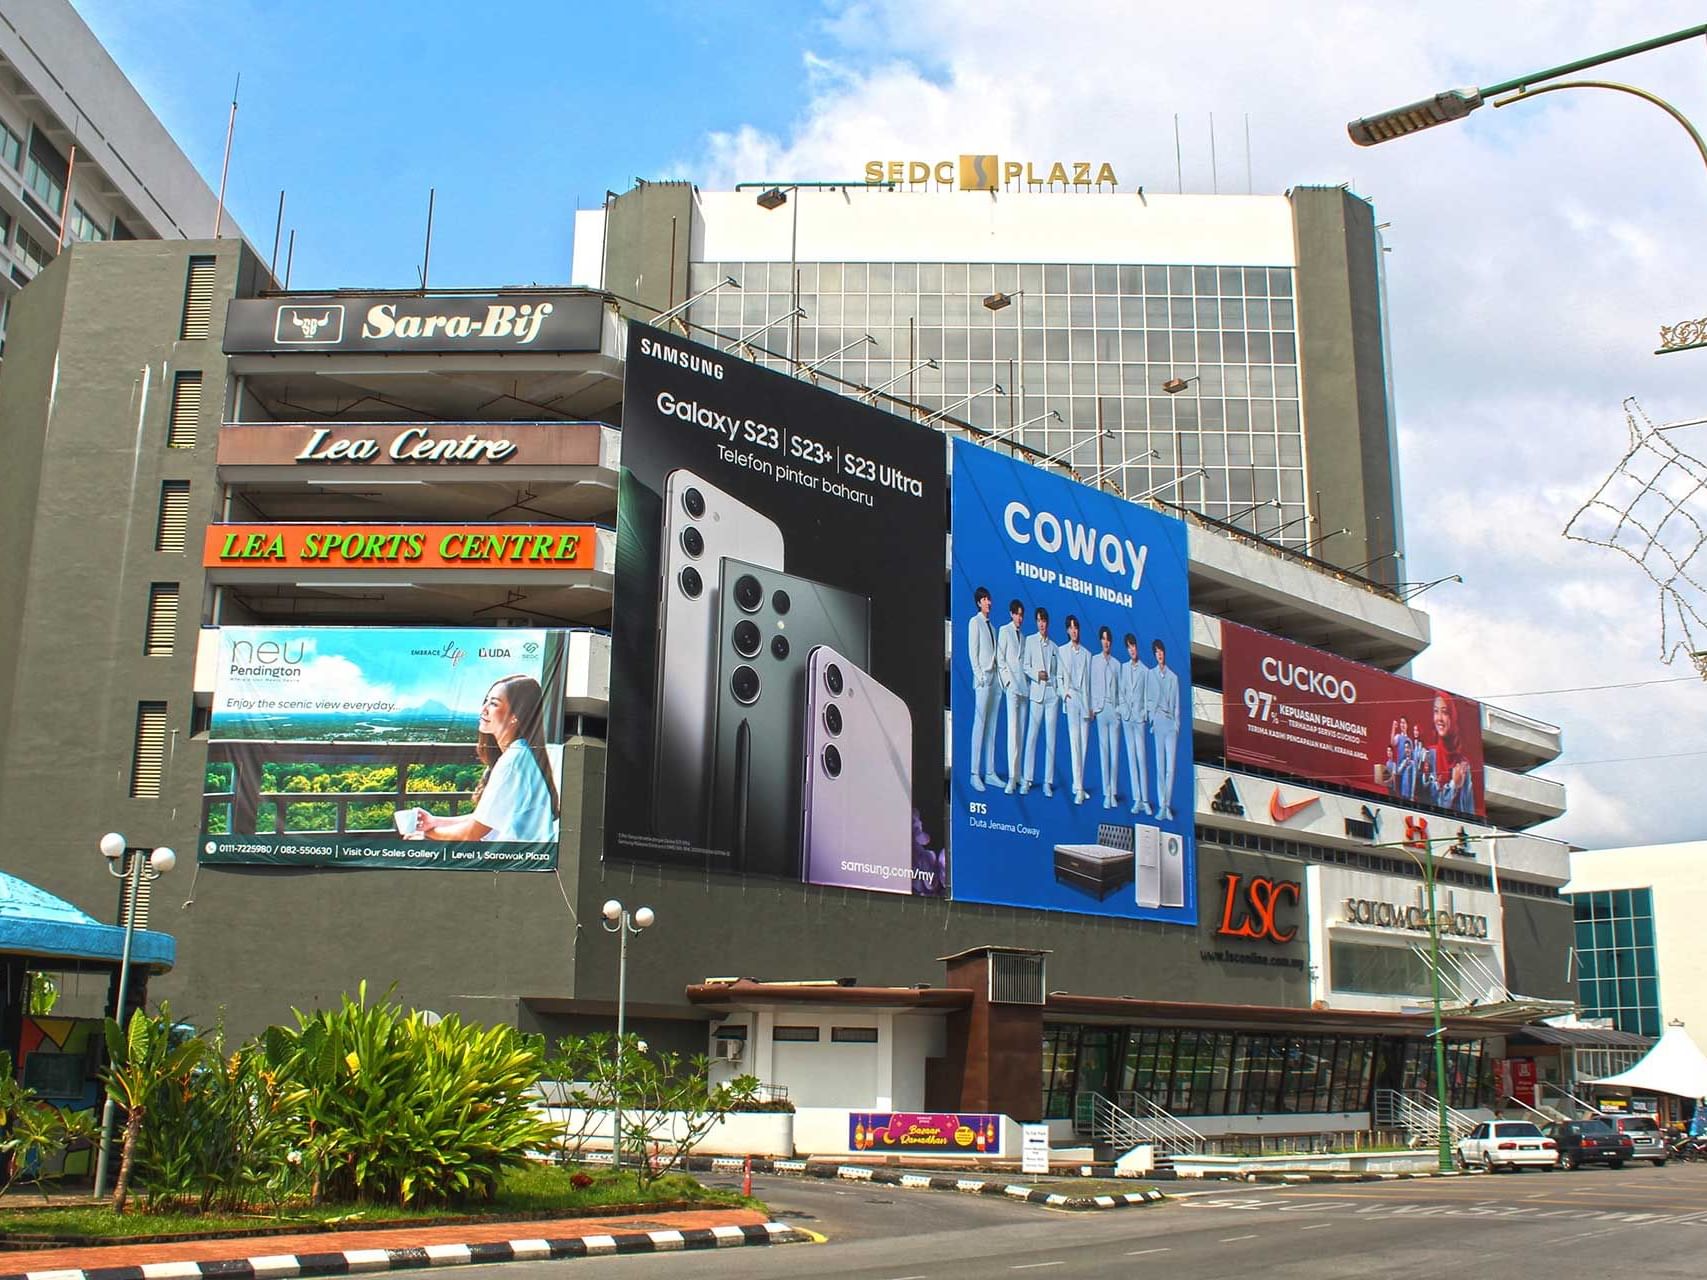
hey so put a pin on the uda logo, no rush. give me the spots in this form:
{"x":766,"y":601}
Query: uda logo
{"x":321,"y":326}
{"x":980,"y":173}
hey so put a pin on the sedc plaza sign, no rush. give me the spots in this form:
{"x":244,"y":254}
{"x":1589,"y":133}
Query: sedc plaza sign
{"x":990,"y":173}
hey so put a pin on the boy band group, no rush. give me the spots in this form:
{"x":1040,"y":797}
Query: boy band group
{"x":1037,"y":681}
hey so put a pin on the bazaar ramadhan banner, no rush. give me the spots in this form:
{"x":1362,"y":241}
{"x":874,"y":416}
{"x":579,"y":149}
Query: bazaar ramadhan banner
{"x":1315,"y":715}
{"x":398,"y":747}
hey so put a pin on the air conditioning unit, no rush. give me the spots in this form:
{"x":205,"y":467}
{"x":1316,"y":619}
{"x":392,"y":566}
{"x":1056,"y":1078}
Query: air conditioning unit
{"x":730,"y":1050}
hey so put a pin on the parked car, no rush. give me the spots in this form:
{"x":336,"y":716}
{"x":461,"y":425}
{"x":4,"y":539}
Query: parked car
{"x":1506,"y":1144}
{"x":1646,"y":1134}
{"x":1583,"y":1142}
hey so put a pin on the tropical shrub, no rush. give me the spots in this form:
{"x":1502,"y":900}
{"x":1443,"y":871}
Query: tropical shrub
{"x":32,"y":1132}
{"x":142,"y":1060}
{"x":396,"y":1108}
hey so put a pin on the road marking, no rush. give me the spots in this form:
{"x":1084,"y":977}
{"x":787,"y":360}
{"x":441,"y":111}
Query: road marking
{"x":1139,"y":1253}
{"x":1317,"y":1226}
{"x":1032,"y":1266}
{"x":1231,"y":1239}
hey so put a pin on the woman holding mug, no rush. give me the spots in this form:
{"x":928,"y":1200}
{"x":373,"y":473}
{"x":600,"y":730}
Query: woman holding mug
{"x":516,"y":798}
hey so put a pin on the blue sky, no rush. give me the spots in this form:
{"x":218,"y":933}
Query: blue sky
{"x":1534,"y":250}
{"x":517,"y":113}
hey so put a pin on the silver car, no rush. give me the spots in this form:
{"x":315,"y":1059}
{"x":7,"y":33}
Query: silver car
{"x":1645,"y":1133}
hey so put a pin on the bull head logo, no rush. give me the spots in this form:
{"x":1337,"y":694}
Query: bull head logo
{"x":311,"y":325}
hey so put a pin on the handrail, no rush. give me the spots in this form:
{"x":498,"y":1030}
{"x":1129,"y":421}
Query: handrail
{"x":1114,"y":1123}
{"x":1566,"y":1093}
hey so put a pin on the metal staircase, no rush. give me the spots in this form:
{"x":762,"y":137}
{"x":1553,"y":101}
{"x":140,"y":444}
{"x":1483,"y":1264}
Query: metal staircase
{"x":1137,"y":1120}
{"x":1418,"y":1117}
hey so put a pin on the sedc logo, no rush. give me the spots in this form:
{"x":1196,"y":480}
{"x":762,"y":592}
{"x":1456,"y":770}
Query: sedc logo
{"x":1256,"y":905}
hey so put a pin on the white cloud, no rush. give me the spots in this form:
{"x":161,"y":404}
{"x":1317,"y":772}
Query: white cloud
{"x":1537,"y":248}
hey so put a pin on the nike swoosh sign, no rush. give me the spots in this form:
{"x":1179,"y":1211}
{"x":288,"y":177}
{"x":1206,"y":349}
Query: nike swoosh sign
{"x":1282,"y":812}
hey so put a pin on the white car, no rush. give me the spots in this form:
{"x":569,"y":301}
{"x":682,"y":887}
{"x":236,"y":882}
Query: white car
{"x":1506,"y":1144}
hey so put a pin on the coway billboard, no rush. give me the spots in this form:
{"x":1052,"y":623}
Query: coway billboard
{"x":396,"y":747}
{"x":1311,"y":714}
{"x":1070,"y":688}
{"x":776,"y":640}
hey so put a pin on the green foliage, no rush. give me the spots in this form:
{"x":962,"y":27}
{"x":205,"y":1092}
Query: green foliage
{"x":311,"y":817}
{"x":401,"y":1111}
{"x":221,"y":779}
{"x":668,"y":1106}
{"x":43,"y":994}
{"x":458,"y":776}
{"x":142,"y":1060}
{"x":33,"y":1133}
{"x":218,"y":820}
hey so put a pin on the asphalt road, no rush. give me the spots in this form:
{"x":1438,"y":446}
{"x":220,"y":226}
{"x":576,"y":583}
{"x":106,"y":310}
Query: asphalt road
{"x":1560,"y":1226}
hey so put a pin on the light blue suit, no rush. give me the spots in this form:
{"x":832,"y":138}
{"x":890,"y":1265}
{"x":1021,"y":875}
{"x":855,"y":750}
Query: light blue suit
{"x":1105,"y":706}
{"x":1076,"y":702}
{"x":981,"y":646}
{"x":1134,"y":716}
{"x":1010,"y":671}
{"x":1045,"y":695}
{"x":1164,"y":730}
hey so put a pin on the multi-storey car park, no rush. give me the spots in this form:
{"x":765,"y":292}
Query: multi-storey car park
{"x":170,"y":413}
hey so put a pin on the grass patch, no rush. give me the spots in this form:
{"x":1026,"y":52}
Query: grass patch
{"x":1083,"y":1188}
{"x":532,"y":1191}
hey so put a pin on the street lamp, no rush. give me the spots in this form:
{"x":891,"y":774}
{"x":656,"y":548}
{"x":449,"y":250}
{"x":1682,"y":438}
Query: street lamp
{"x":133,"y":870}
{"x":1062,"y":453}
{"x":1173,"y":386}
{"x":1020,"y":426}
{"x":871,"y":393}
{"x":942,"y":412}
{"x":664,"y":317}
{"x":617,"y":920}
{"x":1168,"y":484}
{"x":1410,"y":590}
{"x":773,"y":196}
{"x":1455,"y":104}
{"x":1100,"y":476}
{"x":863,"y":338}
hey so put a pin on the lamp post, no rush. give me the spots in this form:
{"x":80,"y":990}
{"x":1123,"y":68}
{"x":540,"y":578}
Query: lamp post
{"x":617,"y":920}
{"x":948,"y":408}
{"x":1410,"y":590}
{"x":1168,"y":484}
{"x":133,"y":870}
{"x":999,"y":301}
{"x":773,"y":195}
{"x":664,"y":317}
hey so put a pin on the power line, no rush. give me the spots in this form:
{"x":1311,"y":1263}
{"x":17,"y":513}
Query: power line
{"x":1588,"y":688}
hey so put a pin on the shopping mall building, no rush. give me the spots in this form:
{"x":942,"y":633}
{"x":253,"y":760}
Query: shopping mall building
{"x":200,"y":466}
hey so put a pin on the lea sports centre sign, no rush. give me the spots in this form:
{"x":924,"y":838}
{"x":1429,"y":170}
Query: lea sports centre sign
{"x":384,"y":546}
{"x":558,"y":322}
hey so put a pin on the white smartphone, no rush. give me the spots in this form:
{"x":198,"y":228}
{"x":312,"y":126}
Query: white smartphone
{"x":857,"y":796}
{"x":703,"y":525}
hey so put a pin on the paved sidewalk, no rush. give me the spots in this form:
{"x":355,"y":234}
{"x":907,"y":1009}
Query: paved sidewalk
{"x":340,"y":1252}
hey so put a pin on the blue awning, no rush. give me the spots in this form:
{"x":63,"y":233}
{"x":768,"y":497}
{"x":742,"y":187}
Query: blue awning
{"x":35,"y":923}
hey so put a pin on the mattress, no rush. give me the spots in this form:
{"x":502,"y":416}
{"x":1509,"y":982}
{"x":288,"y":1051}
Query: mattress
{"x":1094,"y":868}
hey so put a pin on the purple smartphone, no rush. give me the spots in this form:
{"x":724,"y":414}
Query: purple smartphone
{"x":857,"y":798}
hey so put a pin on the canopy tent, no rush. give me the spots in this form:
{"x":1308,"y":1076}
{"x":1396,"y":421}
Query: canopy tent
{"x":1674,"y":1065}
{"x":43,"y":929}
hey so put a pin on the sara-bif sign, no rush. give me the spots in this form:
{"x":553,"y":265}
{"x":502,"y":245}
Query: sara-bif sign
{"x":557,"y":322}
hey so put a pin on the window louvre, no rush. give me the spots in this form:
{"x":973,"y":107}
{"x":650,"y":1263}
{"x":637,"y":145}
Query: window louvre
{"x":182,"y":430}
{"x":198,"y":299}
{"x":148,"y":761}
{"x":172,"y":532}
{"x":144,"y":891}
{"x":162,"y":634}
{"x":1015,"y":979}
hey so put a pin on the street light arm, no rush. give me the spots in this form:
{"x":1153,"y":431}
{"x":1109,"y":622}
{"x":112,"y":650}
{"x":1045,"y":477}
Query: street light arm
{"x":1694,"y":134}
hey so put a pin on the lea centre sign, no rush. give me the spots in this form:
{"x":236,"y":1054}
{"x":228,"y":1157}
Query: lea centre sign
{"x":475,"y":444}
{"x":436,"y":546}
{"x":990,"y":173}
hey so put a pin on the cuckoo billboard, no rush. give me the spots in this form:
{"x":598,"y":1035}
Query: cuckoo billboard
{"x":1070,"y":689}
{"x":776,"y":638}
{"x":1311,"y":714}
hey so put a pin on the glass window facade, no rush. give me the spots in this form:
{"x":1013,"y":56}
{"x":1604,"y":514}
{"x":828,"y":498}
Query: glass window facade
{"x":11,"y":146}
{"x":1192,"y":1072}
{"x":1094,"y":343}
{"x":1617,"y":976}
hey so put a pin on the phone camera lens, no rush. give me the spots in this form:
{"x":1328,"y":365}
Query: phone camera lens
{"x":833,"y":718}
{"x":832,"y":761}
{"x":692,"y":583}
{"x":693,"y":501}
{"x":780,"y":602}
{"x":748,"y":593}
{"x":747,"y":639}
{"x":779,"y":647}
{"x":744,"y":684}
{"x":693,"y":541}
{"x":833,"y":678}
